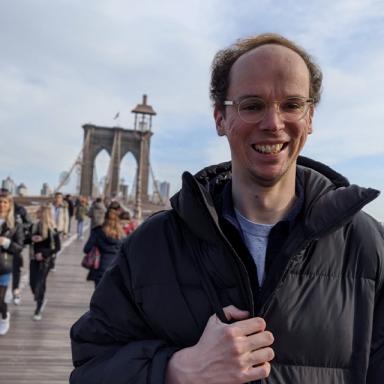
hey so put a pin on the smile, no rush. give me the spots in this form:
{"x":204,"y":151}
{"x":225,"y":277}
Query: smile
{"x":269,"y":149}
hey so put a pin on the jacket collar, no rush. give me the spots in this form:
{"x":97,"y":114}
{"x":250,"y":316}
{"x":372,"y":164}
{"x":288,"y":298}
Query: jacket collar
{"x":329,"y":199}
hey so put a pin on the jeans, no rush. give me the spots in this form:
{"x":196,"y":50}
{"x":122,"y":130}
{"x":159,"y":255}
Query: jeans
{"x":80,"y":229}
{"x":38,"y":272}
{"x":17,"y":263}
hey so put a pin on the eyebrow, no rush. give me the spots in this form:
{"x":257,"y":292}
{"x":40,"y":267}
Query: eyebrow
{"x":248,"y":96}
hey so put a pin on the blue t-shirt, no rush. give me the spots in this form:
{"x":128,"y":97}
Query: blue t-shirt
{"x":256,"y":240}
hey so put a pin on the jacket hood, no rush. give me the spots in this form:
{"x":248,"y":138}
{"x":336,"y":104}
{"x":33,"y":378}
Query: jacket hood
{"x":99,"y":205}
{"x":329,"y":199}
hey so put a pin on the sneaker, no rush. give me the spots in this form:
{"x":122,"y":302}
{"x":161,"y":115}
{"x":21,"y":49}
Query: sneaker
{"x":37,"y":316}
{"x":4,"y":324}
{"x":40,"y":307}
{"x":17,"y":300}
{"x":45,"y":301}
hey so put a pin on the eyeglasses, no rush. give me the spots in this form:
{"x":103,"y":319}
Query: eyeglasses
{"x":253,"y":109}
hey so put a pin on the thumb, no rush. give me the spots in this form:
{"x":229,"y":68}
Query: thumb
{"x":233,"y":313}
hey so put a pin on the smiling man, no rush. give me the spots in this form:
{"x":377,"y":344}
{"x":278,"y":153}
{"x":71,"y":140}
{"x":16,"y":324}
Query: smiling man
{"x":264,"y":269}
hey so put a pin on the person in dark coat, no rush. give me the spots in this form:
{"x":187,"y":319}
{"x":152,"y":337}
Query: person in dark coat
{"x":21,"y":217}
{"x":11,"y":244}
{"x":45,"y":243}
{"x":71,"y":209}
{"x":265,"y":270}
{"x":107,"y":238}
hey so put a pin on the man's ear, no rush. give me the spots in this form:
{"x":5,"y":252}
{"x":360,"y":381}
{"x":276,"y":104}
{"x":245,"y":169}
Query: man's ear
{"x":219,"y":120}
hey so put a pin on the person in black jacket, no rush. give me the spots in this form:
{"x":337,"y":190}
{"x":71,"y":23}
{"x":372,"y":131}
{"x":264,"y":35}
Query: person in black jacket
{"x":45,"y":242}
{"x":107,"y":238}
{"x":264,"y":269}
{"x":11,"y":244}
{"x":71,"y":209}
{"x":21,"y":217}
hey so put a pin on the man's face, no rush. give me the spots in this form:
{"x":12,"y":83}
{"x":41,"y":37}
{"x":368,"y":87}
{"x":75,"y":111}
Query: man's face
{"x":58,"y":199}
{"x":273,"y":73}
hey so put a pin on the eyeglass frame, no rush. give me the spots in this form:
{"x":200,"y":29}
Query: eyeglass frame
{"x":307,"y":100}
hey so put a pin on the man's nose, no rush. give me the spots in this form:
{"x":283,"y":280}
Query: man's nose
{"x":272,"y":119}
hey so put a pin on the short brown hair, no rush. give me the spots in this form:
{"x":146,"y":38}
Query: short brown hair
{"x":225,"y":58}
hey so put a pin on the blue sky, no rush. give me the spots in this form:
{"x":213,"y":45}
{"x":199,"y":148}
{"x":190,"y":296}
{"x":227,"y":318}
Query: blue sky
{"x":65,"y":63}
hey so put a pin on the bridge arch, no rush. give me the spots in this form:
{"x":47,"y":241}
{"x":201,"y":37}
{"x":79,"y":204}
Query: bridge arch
{"x":117,"y":142}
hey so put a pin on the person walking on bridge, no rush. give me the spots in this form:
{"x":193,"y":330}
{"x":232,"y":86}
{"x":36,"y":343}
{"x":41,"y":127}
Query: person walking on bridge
{"x":81,"y":211}
{"x":71,"y":210}
{"x":11,"y":243}
{"x":45,"y":243}
{"x":266,"y":268}
{"x":22,"y":217}
{"x":61,"y":220}
{"x":97,"y":212}
{"x":107,"y":238}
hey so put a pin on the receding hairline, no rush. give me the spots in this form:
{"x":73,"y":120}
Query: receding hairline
{"x":268,"y":49}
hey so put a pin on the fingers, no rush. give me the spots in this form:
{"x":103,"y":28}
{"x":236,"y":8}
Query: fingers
{"x":261,"y":356}
{"x":259,"y":340}
{"x":233,"y":313}
{"x":250,"y":326}
{"x":242,"y":349}
{"x":245,"y":325}
{"x":259,"y":372}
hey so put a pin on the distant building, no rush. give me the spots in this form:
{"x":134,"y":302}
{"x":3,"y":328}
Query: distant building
{"x":123,"y":190}
{"x":22,"y":190}
{"x":161,"y":191}
{"x":46,"y":190}
{"x":164,"y":189}
{"x":9,"y":184}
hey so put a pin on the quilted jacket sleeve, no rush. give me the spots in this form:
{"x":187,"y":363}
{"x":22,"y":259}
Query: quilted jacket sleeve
{"x":17,"y":240}
{"x":376,"y":360}
{"x":112,"y":343}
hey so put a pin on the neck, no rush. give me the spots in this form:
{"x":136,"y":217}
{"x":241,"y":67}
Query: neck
{"x":262,"y":204}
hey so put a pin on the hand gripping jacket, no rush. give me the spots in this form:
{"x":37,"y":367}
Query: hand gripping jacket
{"x":326,"y":309}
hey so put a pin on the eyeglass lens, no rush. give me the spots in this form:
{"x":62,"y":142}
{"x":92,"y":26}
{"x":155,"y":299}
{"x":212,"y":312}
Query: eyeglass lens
{"x":254,"y":109}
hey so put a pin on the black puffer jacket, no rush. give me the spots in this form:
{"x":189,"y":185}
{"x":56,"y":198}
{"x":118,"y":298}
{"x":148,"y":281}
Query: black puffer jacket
{"x":16,"y":236}
{"x":326,"y":309}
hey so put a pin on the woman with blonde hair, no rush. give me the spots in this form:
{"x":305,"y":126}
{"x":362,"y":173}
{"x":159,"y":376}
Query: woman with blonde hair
{"x":107,"y":238}
{"x":11,"y":242}
{"x":45,"y":243}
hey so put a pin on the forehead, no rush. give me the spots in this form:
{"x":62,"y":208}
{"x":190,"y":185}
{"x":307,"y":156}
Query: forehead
{"x":270,"y":67}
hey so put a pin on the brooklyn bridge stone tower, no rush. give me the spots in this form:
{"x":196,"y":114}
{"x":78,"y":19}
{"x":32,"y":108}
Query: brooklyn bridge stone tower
{"x":118,"y":142}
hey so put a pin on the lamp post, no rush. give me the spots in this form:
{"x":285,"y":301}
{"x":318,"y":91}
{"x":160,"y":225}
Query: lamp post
{"x":143,"y":124}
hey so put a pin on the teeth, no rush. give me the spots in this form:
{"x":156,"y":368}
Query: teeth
{"x":275,"y":148}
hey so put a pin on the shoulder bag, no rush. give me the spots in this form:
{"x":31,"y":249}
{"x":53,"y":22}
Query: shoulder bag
{"x":5,"y":263}
{"x":91,"y":260}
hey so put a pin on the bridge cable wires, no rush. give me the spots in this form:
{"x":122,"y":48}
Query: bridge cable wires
{"x":78,"y":161}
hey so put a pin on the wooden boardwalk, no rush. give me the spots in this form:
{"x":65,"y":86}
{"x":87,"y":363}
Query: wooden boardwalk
{"x":38,"y":352}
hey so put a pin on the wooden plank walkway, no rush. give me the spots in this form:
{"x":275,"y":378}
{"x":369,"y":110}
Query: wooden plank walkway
{"x":38,"y":352}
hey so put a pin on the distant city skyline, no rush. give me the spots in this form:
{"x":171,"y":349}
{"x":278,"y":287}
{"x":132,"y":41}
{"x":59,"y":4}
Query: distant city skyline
{"x":14,"y":187}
